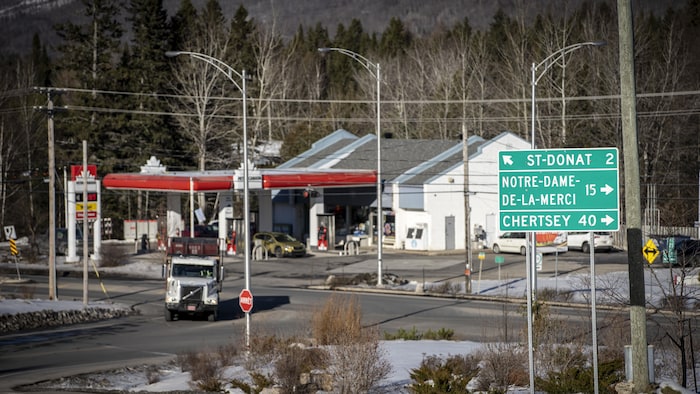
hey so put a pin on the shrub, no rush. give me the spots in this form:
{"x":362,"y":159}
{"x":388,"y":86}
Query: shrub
{"x":441,"y":334}
{"x":27,"y":292}
{"x":407,"y":335}
{"x":263,"y":350}
{"x":450,"y":375}
{"x":152,"y":374}
{"x":502,"y":365}
{"x":415,"y":335}
{"x":446,"y":288}
{"x":295,"y":360}
{"x":357,"y":363}
{"x":112,"y":255}
{"x":260,"y":382}
{"x":227,"y":353}
{"x":579,"y":379}
{"x":549,"y":294}
{"x":206,"y":372}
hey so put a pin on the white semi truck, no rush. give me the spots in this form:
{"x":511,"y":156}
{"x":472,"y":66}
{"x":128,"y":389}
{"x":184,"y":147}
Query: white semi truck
{"x":194,"y":276}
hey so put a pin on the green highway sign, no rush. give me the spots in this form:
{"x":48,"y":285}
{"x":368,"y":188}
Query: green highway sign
{"x":559,"y":189}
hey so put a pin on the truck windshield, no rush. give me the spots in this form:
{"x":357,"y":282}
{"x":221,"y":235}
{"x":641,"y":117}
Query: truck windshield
{"x":192,"y":271}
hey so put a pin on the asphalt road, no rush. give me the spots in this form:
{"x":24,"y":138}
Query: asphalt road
{"x":283,"y":305}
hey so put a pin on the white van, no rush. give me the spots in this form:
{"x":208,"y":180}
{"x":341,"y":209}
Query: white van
{"x":579,"y":240}
{"x":511,"y":242}
{"x":516,"y":242}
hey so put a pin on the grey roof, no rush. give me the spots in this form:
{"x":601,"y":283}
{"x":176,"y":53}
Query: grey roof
{"x":442,"y":163}
{"x":321,"y":149}
{"x":414,"y":161}
{"x":398,"y":156}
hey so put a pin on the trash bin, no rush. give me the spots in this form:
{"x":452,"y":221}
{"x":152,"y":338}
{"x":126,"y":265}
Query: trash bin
{"x":144,"y":243}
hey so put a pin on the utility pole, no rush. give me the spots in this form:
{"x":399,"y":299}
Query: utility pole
{"x":50,"y":111}
{"x":640,"y":372}
{"x":467,"y":214}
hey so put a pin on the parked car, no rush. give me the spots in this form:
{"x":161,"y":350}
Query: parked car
{"x":280,"y":244}
{"x":516,"y":242}
{"x":580,"y":240}
{"x":678,"y":249}
{"x":62,"y":240}
{"x":511,"y":242}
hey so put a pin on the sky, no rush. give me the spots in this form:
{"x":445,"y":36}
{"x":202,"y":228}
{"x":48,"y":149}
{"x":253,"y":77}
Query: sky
{"x":402,"y":355}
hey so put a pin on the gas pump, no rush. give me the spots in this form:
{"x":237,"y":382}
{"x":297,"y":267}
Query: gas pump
{"x":322,"y":237}
{"x":326,"y":231}
{"x":231,"y":244}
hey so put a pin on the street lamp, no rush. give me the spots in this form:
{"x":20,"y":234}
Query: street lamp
{"x":230,"y":72}
{"x":532,"y":254}
{"x":375,"y":70}
{"x":548,"y":62}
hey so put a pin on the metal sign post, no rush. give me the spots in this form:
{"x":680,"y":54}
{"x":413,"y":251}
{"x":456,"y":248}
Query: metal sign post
{"x":564,"y":190}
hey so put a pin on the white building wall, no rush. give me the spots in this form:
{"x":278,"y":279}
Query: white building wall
{"x":413,"y":219}
{"x":400,"y":216}
{"x":444,"y":196}
{"x":483,"y":178}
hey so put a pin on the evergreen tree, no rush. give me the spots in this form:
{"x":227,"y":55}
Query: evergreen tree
{"x":41,"y":61}
{"x":240,"y":54}
{"x":148,"y":71}
{"x":395,"y":39}
{"x":183,"y":25}
{"x":86,"y":61}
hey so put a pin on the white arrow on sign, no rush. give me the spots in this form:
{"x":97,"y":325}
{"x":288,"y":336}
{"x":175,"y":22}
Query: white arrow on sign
{"x":508,"y":160}
{"x":607,"y":220}
{"x":607,"y":189}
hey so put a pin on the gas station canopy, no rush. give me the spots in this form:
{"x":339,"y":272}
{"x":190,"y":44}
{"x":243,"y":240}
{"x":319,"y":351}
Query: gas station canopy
{"x":215,"y":181}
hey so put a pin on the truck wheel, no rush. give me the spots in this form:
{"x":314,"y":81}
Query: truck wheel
{"x":278,"y":252}
{"x":214,"y":316}
{"x":168,"y":315}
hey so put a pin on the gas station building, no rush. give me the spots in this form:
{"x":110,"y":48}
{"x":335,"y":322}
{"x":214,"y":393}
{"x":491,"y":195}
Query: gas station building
{"x":332,"y":187}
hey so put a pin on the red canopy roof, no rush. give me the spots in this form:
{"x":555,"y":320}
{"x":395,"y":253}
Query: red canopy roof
{"x":208,"y":182}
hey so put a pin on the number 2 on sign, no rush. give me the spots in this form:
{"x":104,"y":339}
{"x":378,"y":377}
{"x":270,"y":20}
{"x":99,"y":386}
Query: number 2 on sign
{"x":587,"y":220}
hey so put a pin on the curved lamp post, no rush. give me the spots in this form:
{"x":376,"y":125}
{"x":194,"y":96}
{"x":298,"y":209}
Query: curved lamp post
{"x":375,"y":70}
{"x":546,"y":64}
{"x":230,"y":72}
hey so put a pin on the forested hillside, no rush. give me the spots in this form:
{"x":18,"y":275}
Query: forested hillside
{"x":116,"y":89}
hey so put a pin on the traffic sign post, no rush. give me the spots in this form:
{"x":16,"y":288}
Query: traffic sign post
{"x":650,"y":251}
{"x":559,"y":189}
{"x":245,"y":300}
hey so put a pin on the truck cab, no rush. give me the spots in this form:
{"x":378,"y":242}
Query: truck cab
{"x":193,"y":283}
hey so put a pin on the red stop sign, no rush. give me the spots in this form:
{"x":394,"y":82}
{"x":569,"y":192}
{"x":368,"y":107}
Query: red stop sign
{"x":245,"y":300}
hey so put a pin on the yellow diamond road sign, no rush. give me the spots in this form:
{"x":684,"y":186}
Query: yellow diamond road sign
{"x":650,"y":251}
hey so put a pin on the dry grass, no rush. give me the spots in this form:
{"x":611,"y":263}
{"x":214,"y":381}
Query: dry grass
{"x":339,"y":320}
{"x":357,"y":362}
